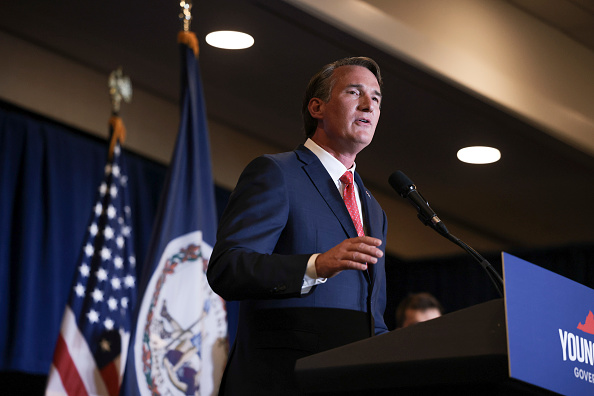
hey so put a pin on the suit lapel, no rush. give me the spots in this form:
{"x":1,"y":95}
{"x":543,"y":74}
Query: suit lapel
{"x":327,"y":189}
{"x":371,"y":229}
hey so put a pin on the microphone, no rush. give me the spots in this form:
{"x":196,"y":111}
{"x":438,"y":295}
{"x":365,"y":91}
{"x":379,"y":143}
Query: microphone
{"x":407,"y":189}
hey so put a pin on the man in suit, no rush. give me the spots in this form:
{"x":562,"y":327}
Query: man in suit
{"x":309,"y":274}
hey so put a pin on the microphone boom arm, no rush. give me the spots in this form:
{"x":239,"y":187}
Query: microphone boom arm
{"x":493,"y":275}
{"x":406,"y":189}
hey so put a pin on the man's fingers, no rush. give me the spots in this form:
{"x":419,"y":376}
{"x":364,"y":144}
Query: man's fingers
{"x":367,"y":249}
{"x":350,"y":254}
{"x":368,"y":240}
{"x":359,"y":257}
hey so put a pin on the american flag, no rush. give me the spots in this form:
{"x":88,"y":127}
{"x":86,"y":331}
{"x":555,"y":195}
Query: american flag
{"x":90,"y":353}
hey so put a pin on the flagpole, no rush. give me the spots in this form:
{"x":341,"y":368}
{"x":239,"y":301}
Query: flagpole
{"x":192,"y":332}
{"x":120,"y":89}
{"x":95,"y":329}
{"x":185,"y":36}
{"x":185,"y":14}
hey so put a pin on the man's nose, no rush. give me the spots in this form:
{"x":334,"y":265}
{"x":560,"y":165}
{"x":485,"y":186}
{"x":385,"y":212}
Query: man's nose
{"x":366,"y":103}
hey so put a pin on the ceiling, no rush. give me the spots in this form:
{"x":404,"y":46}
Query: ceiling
{"x":538,"y":195}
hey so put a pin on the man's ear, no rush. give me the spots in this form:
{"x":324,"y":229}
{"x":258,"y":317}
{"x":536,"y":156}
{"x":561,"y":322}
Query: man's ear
{"x":316,"y":108}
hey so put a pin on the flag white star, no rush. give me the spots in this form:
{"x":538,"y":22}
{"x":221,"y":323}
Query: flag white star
{"x":108,"y":233}
{"x":107,"y":169}
{"x":126,"y":231}
{"x":115,"y":170}
{"x":124,"y":181}
{"x":120,"y":241}
{"x":112,"y":303}
{"x":89,"y":250}
{"x":116,"y":283}
{"x":124,"y":302}
{"x":108,"y":323}
{"x":97,"y":295}
{"x":93,"y":229}
{"x":93,"y":316}
{"x":102,"y":189}
{"x":84,"y":270}
{"x":105,"y":253}
{"x":111,"y":212}
{"x":132,"y":261}
{"x":118,"y":262}
{"x":129,"y":281}
{"x":98,"y":209}
{"x":101,"y":274}
{"x":113,"y":191}
{"x":79,"y":290}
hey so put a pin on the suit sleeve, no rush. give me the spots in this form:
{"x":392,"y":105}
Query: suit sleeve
{"x":243,"y":264}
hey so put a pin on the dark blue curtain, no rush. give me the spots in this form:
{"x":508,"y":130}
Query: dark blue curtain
{"x":459,"y":282}
{"x":49,"y":177}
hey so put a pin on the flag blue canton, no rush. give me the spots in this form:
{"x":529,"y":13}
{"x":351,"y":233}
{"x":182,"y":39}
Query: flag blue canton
{"x":104,"y":288}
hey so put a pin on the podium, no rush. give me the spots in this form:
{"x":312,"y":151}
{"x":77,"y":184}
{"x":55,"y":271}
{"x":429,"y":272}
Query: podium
{"x":545,"y":348}
{"x":464,"y":352}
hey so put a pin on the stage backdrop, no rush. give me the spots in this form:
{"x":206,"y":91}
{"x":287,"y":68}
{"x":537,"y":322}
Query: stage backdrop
{"x":49,"y":175}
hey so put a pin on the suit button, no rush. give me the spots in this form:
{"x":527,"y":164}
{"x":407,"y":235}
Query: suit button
{"x":279,"y":288}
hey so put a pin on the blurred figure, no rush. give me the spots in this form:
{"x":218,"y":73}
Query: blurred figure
{"x":416,"y":308}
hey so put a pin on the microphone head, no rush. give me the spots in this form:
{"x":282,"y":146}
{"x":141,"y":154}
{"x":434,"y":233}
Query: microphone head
{"x":401,"y":183}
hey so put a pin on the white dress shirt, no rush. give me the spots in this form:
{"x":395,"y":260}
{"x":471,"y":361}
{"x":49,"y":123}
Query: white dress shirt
{"x":335,"y":169}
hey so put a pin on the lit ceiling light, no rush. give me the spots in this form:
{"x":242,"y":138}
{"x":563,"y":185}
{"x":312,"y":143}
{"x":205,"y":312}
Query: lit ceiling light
{"x":227,"y":39}
{"x":479,"y":155}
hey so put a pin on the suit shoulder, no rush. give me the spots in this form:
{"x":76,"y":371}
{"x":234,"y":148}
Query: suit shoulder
{"x":281,"y":160}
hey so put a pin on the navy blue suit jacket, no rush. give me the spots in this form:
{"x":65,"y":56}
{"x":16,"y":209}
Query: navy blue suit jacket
{"x":285,"y":208}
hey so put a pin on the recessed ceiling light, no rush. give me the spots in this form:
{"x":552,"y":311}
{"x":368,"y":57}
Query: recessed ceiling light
{"x":227,"y":39}
{"x":479,"y":155}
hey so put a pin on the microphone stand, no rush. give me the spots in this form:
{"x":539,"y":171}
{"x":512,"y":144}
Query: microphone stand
{"x":493,"y":275}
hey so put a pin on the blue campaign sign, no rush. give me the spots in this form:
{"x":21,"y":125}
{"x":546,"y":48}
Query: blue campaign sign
{"x":550,"y":328}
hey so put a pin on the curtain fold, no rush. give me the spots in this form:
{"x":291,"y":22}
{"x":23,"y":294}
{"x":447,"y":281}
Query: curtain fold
{"x":49,"y":175}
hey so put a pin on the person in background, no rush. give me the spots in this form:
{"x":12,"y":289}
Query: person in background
{"x":300,"y":243}
{"x":417,"y":308}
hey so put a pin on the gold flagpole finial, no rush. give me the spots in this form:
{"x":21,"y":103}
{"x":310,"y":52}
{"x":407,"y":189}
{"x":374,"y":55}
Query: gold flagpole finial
{"x":120,"y":88}
{"x":185,"y":14}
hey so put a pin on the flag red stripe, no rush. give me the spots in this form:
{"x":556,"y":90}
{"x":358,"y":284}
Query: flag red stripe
{"x":67,"y":369}
{"x":111,"y":378}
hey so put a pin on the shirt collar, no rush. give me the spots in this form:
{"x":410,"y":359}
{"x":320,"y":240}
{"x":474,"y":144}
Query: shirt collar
{"x":334,"y":167}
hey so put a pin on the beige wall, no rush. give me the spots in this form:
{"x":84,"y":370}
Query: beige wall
{"x":488,"y":47}
{"x":48,"y":84}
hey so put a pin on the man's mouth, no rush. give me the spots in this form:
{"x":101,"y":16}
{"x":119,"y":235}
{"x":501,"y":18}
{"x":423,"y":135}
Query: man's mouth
{"x":364,"y":120}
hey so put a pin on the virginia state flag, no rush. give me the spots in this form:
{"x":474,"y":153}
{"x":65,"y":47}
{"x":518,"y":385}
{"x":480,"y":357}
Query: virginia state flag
{"x":180,"y":345}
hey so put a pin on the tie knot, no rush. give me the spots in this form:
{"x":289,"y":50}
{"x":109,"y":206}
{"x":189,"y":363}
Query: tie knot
{"x":347,"y":178}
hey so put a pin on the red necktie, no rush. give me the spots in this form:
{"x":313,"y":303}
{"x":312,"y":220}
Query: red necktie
{"x":351,"y":202}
